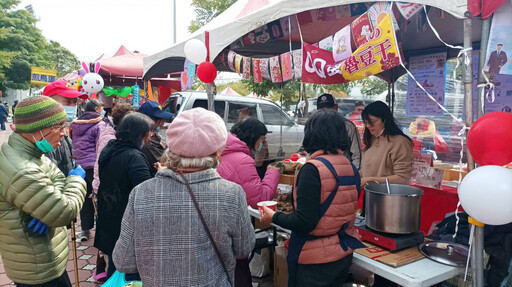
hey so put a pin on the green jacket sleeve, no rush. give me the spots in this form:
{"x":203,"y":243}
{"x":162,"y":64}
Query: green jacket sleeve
{"x":44,"y":193}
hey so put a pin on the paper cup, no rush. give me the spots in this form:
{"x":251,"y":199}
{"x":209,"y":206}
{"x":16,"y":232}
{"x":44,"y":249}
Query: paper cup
{"x":270,"y":204}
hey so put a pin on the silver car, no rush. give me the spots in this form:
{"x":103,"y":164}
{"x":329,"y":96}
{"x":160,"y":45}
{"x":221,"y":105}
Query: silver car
{"x":284,"y":135}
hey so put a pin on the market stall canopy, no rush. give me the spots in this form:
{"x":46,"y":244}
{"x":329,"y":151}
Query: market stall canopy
{"x":245,"y":16}
{"x":230,"y":92}
{"x":124,"y":63}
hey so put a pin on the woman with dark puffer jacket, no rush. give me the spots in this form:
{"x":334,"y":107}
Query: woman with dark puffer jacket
{"x":85,"y":132}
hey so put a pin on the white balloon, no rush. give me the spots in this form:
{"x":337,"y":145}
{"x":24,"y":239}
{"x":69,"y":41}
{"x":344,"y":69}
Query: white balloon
{"x":92,"y":83}
{"x":486,"y":194}
{"x":195,"y":51}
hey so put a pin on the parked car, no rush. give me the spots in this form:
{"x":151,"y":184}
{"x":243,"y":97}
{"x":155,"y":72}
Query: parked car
{"x":345,"y":106}
{"x":284,"y":137}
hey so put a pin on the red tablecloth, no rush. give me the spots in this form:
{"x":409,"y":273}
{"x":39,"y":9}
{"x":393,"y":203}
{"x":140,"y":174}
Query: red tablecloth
{"x":435,"y":204}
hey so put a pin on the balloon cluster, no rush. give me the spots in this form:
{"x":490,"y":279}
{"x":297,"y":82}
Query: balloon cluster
{"x":196,"y":52}
{"x":486,"y":192}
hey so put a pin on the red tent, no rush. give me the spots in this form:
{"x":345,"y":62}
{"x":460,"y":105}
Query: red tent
{"x":124,"y":63}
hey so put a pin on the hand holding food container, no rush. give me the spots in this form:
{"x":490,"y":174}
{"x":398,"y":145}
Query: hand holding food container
{"x":267,"y":210}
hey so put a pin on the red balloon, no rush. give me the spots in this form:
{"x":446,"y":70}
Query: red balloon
{"x":490,"y":137}
{"x":206,"y":72}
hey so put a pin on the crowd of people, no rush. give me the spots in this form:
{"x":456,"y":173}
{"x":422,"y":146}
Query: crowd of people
{"x":173,"y":211}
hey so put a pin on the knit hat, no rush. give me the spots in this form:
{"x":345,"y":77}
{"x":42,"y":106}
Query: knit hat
{"x":196,"y":133}
{"x":37,"y":113}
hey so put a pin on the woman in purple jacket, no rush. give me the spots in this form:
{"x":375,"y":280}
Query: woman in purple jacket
{"x":238,"y":166}
{"x":85,"y":133}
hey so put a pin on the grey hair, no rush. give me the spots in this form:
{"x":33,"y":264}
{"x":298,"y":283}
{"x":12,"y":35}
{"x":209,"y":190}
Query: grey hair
{"x":172,"y":161}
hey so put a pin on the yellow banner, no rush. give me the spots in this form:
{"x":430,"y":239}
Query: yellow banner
{"x":41,"y":76}
{"x":380,"y":53}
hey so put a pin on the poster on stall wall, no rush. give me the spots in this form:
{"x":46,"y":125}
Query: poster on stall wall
{"x":249,"y":39}
{"x":430,"y":71}
{"x":378,"y":55}
{"x":264,"y":69}
{"x":231,"y":60}
{"x":499,"y":50}
{"x":246,"y":75}
{"x":342,"y":11}
{"x":275,"y":30}
{"x":503,"y":95}
{"x":275,"y":70}
{"x":287,"y":23}
{"x":262,"y":35}
{"x":408,"y":9}
{"x":297,"y":63}
{"x":238,"y":62}
{"x":361,"y":29}
{"x":286,"y":66}
{"x":256,"y":73}
{"x":357,"y":9}
{"x":326,"y":44}
{"x":324,"y":14}
{"x":378,"y":11}
{"x":341,"y":48}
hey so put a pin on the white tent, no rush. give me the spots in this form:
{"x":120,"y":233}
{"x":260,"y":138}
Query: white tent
{"x":247,"y":15}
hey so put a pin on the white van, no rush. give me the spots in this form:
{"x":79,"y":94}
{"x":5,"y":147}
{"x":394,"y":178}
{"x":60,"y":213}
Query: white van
{"x":284,"y":135}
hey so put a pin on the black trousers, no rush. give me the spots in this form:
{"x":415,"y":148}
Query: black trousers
{"x":332,"y":274}
{"x":87,"y":212}
{"x":62,"y":281}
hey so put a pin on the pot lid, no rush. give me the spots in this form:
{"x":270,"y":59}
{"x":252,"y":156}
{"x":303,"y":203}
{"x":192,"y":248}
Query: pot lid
{"x":448,"y":253}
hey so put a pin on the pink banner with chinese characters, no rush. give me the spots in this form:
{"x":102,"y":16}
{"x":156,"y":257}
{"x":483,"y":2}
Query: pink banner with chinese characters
{"x":256,"y":72}
{"x":286,"y":66}
{"x":246,"y":74}
{"x":380,"y":53}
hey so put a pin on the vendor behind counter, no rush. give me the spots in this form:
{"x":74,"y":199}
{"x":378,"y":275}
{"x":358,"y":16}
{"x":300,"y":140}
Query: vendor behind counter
{"x":388,"y":152}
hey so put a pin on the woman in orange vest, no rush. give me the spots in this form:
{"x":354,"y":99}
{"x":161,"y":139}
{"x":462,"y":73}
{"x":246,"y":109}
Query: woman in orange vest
{"x":324,"y":200}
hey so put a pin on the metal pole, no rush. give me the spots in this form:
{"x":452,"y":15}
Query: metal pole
{"x":75,"y":258}
{"x":174,"y":20}
{"x":477,"y":262}
{"x":486,"y":29}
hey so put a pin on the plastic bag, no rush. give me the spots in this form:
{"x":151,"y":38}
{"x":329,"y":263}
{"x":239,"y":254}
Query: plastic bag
{"x":260,"y":263}
{"x":117,"y":280}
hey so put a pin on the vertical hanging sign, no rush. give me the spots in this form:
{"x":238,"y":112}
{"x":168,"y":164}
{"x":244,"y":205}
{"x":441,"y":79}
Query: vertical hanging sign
{"x":136,"y":96}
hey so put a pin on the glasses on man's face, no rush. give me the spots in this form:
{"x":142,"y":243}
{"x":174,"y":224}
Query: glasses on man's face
{"x":360,"y":109}
{"x":59,"y":127}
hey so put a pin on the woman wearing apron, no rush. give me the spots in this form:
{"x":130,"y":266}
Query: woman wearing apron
{"x":324,"y":200}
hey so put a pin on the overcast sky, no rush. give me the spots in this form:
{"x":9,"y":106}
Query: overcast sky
{"x":94,"y":27}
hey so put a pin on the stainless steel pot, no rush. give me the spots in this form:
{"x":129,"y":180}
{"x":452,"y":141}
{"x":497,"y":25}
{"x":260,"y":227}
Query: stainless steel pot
{"x":395,"y":212}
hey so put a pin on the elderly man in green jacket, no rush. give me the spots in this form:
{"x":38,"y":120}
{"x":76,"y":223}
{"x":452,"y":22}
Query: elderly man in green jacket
{"x":37,"y":201}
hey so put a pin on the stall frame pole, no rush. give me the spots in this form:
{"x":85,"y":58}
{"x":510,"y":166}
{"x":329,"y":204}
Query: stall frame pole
{"x":486,"y":29}
{"x":477,"y":262}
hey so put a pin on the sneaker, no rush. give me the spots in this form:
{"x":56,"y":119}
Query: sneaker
{"x":84,"y":235}
{"x":99,"y":278}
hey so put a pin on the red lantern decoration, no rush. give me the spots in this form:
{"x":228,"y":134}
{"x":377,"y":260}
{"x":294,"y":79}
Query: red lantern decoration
{"x":206,"y":72}
{"x":489,"y":139}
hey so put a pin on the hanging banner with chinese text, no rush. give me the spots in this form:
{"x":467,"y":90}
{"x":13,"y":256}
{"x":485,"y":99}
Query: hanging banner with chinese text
{"x":286,"y":66}
{"x":377,"y":55}
{"x":246,"y":74}
{"x":256,"y":72}
{"x":430,"y":71}
{"x":408,"y":9}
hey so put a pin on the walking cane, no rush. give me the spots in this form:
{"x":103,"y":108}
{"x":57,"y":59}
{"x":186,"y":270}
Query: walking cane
{"x":73,"y":238}
{"x":75,"y":259}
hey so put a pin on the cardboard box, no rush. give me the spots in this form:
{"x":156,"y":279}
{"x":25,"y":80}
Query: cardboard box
{"x":395,"y":259}
{"x":287,"y":179}
{"x":280,"y":267}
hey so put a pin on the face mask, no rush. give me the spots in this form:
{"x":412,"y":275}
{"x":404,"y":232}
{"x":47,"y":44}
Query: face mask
{"x":141,"y":145}
{"x":102,"y":113}
{"x":259,"y":147}
{"x":44,"y":145}
{"x":157,"y":130}
{"x":70,"y":112}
